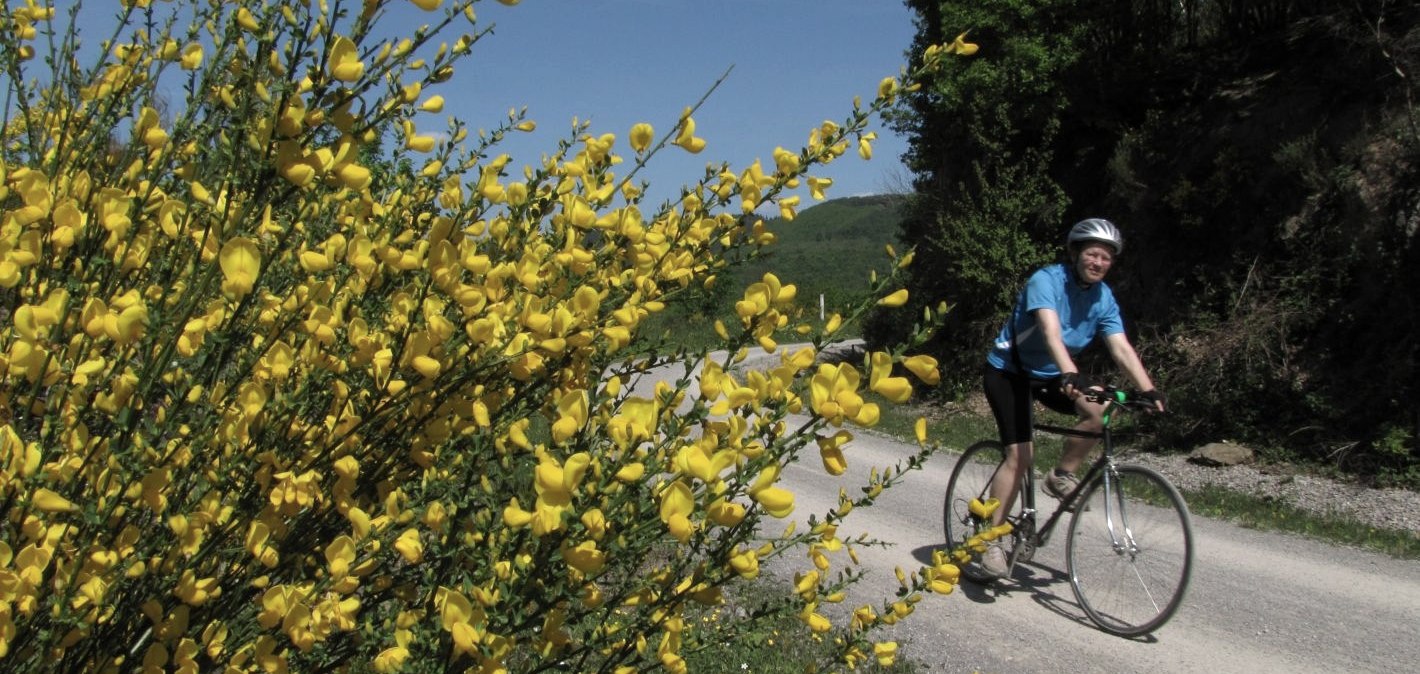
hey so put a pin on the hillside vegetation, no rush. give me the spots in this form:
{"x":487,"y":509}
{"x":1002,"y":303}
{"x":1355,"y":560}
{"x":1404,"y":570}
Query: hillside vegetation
{"x":829,"y":249}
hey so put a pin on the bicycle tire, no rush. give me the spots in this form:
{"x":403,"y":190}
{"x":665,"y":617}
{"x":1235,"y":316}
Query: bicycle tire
{"x":1130,"y":590}
{"x":971,"y":478}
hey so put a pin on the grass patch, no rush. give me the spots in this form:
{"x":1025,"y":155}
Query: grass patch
{"x":1273,"y":515}
{"x":782,"y":646}
{"x":957,"y":427}
{"x":955,"y":430}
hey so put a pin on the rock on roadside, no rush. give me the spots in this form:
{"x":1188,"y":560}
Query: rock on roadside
{"x":1217,"y":454}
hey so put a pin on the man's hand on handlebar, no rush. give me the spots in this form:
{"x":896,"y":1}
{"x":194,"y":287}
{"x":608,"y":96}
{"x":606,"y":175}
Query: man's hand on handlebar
{"x":1073,"y":384}
{"x":1152,"y":400}
{"x":1155,"y":396}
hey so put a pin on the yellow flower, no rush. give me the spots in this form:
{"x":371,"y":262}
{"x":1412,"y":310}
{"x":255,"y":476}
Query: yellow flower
{"x":31,"y":321}
{"x":391,"y":660}
{"x":887,"y":88}
{"x":191,"y":57}
{"x":292,"y":492}
{"x":353,"y":175}
{"x":359,"y":523}
{"x":788,"y":207}
{"x":409,"y":546}
{"x":983,"y":509}
{"x":51,"y":502}
{"x":436,"y":516}
{"x":454,"y":608}
{"x":685,"y":137}
{"x":726,"y":513}
{"x":595,"y":521}
{"x":831,"y":450}
{"x":920,"y":430}
{"x":817,"y":623}
{"x":641,"y":136}
{"x":572,"y":416}
{"x":925,"y":368}
{"x":426,"y":366}
{"x":961,"y":47}
{"x":246,"y":20}
{"x":427,"y":5}
{"x":677,"y":502}
{"x":947,"y":571}
{"x":514,"y":516}
{"x":585,"y":557}
{"x":241,"y":264}
{"x":885,"y":652}
{"x":345,"y":64}
{"x":896,"y":389}
{"x":745,"y":563}
{"x":896,"y":299}
{"x":806,"y":584}
{"x":339,"y":557}
{"x":195,"y":591}
{"x":631,"y":472}
{"x":434,"y":104}
{"x":785,"y":162}
{"x":834,"y":396}
{"x":258,"y":533}
{"x":865,"y":145}
{"x":777,"y":501}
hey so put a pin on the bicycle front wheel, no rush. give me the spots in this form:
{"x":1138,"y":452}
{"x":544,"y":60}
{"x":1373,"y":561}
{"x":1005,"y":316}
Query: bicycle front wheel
{"x":1130,"y":550}
{"x":971,"y":479}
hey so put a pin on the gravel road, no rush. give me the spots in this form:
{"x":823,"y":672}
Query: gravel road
{"x":1258,"y":602}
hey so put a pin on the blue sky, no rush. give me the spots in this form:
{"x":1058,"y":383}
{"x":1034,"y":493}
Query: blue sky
{"x":615,"y":63}
{"x":619,"y":62}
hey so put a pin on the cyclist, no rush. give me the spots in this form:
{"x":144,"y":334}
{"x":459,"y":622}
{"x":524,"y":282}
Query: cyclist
{"x":1060,"y":311}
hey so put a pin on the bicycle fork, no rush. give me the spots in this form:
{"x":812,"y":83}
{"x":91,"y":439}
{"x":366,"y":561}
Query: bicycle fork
{"x":1116,"y":519}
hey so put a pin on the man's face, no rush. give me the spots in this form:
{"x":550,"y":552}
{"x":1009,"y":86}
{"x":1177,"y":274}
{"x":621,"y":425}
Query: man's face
{"x":1093,"y":262}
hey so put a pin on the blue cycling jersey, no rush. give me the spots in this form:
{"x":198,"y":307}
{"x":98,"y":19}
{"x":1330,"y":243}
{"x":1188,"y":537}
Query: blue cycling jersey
{"x":1084,"y":313}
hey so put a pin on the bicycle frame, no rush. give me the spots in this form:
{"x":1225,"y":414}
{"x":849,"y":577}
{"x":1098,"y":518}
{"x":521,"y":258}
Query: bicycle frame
{"x":1039,"y":536}
{"x":1125,"y":585}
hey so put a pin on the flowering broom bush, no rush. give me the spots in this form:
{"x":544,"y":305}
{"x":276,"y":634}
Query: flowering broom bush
{"x":272,"y":399}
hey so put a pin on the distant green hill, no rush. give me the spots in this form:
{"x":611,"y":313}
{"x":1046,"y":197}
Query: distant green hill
{"x":830,"y":249}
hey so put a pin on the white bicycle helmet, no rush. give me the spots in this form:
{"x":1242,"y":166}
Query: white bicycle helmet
{"x":1096,"y":229}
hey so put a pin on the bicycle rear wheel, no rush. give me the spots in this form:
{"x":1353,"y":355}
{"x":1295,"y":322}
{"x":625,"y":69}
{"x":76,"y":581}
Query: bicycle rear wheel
{"x":1130,"y":550}
{"x":971,"y":479}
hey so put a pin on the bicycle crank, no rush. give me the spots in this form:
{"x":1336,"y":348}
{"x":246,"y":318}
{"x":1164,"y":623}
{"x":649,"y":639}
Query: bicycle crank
{"x":1025,"y":544}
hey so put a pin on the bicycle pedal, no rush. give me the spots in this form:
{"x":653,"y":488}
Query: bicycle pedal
{"x":1025,"y":551}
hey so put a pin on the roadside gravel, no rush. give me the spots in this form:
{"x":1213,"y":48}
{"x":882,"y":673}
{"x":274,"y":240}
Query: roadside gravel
{"x":1397,"y":509}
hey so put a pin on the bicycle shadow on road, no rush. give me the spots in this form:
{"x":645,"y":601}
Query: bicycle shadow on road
{"x":1044,"y":584}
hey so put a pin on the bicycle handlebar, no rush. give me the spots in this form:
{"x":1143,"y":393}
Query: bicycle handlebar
{"x":1108,"y":393}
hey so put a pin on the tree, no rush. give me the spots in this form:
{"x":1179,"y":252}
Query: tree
{"x":1240,"y":145}
{"x":985,"y":209}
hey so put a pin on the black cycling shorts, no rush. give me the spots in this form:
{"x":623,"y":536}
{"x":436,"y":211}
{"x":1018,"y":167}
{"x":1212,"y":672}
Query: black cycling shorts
{"x":1010,"y":396}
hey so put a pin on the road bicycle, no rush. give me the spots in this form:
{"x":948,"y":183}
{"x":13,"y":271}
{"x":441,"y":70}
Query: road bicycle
{"x":1129,"y":551}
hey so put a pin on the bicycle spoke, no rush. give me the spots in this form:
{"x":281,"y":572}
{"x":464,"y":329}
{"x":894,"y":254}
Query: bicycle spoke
{"x":1130,"y":552}
{"x":1145,"y":586}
